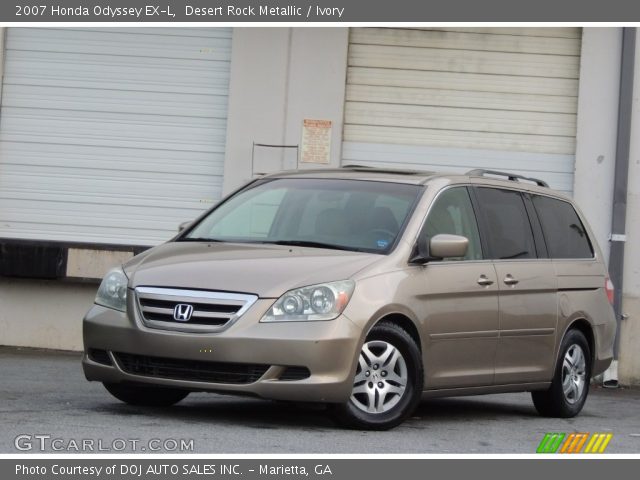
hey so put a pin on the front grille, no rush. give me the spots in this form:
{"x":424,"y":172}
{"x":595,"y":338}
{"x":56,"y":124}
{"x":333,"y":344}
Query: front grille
{"x":190,"y":370}
{"x":294,"y":373}
{"x":190,"y":310}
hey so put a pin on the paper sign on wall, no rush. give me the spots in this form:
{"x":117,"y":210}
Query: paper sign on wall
{"x":316,"y":141}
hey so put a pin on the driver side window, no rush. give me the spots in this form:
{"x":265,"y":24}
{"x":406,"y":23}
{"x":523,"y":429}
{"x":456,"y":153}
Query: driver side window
{"x":453,"y":213}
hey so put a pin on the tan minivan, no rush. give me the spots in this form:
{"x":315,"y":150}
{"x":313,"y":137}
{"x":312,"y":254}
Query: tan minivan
{"x":366,"y":290}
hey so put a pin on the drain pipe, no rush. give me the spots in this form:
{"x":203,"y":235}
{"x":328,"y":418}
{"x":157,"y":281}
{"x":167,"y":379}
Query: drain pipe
{"x":619,"y":210}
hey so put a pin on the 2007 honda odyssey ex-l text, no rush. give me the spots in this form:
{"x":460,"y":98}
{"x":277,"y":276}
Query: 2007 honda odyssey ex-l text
{"x":366,"y":290}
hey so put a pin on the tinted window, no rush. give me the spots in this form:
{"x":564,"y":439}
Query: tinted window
{"x":564,"y":233}
{"x":453,"y":213}
{"x":507,"y":224}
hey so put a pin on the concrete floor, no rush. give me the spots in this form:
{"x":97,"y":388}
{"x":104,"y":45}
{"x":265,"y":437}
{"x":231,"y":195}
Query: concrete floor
{"x":45,"y":393}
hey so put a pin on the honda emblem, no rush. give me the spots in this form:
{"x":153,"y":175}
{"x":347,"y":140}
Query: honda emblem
{"x":182,"y":312}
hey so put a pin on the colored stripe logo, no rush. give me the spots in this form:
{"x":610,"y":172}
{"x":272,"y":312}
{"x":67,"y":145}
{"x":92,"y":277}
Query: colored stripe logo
{"x":556,"y":442}
{"x":598,"y":443}
{"x":550,"y":443}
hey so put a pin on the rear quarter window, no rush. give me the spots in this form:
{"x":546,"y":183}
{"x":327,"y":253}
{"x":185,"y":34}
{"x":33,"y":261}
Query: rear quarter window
{"x":564,"y":233}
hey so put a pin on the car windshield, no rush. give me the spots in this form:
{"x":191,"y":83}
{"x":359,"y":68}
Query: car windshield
{"x":353,"y":215}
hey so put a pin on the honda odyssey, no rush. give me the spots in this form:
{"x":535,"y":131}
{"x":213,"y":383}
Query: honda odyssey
{"x":366,"y":290}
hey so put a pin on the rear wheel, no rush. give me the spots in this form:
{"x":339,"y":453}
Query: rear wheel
{"x":147,"y":396}
{"x":388,"y":381}
{"x":570,"y":386}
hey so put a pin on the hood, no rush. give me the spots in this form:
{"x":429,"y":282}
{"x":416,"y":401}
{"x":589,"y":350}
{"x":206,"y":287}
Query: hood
{"x":261,"y":269}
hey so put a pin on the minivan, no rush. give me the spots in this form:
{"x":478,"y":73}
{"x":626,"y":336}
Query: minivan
{"x":366,"y":290}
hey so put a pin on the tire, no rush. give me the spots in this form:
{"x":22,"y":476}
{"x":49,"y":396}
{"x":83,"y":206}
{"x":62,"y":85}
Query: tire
{"x":574,"y":370}
{"x":145,"y":396}
{"x":389,"y":358}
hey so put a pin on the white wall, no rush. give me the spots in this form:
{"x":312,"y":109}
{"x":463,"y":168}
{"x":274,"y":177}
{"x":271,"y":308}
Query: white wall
{"x":317,"y":83}
{"x":279,"y":76}
{"x":596,"y":135}
{"x":257,"y":99}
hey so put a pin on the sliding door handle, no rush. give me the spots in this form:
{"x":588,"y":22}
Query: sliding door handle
{"x":509,"y":280}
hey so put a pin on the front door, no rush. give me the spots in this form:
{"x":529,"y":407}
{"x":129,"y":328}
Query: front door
{"x":460,"y":299}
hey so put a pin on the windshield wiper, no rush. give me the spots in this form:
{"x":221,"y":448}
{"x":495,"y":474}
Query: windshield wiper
{"x":293,"y":243}
{"x":309,"y":243}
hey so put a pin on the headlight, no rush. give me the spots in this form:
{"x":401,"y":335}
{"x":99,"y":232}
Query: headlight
{"x":317,"y":302}
{"x":113,"y":290}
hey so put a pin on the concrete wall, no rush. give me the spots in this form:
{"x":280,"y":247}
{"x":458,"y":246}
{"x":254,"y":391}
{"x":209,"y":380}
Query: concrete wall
{"x":629,"y":362}
{"x":257,"y":100}
{"x":317,"y":83}
{"x":43,"y":313}
{"x":279,"y":76}
{"x":596,"y":135}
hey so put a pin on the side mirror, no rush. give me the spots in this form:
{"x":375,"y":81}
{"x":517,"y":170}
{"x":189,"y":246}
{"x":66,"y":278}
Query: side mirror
{"x":448,"y":246}
{"x":184,"y":225}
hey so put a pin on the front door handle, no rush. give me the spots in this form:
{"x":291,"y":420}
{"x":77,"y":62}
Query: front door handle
{"x":484,"y":281}
{"x":509,"y":280}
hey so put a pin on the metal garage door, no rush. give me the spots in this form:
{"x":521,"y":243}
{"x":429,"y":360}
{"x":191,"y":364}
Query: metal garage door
{"x":111,"y":135}
{"x":460,"y":98}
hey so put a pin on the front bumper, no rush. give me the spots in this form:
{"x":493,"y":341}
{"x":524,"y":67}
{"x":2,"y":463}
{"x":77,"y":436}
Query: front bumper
{"x":327,"y":349}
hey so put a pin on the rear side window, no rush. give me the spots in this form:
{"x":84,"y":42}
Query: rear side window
{"x":564,"y":233}
{"x":506,"y":224}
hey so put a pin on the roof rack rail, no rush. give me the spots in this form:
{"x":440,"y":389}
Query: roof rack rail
{"x":398,"y":171}
{"x":479,"y":172}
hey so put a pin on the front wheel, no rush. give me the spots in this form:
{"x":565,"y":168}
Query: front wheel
{"x":147,"y":396}
{"x":388,"y":381}
{"x":570,"y":386}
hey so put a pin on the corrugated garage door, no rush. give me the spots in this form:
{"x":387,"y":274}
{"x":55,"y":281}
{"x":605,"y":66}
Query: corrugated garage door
{"x":111,"y":135}
{"x":460,"y":98}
